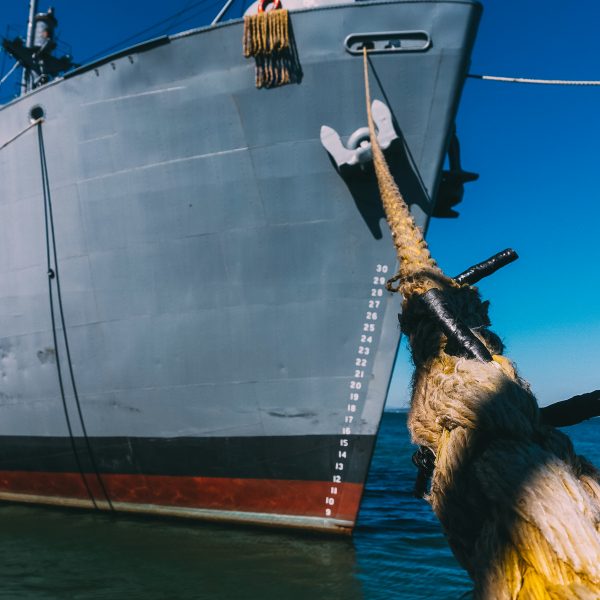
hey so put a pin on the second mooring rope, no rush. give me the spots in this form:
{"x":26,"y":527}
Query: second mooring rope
{"x":574,"y":82}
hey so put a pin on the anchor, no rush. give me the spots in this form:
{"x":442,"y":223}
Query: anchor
{"x":357,"y":151}
{"x":451,"y":190}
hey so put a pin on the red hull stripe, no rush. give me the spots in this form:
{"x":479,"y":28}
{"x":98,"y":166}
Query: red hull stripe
{"x":273,"y":496}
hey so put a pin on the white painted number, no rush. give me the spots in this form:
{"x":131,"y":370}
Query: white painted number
{"x":364,"y":350}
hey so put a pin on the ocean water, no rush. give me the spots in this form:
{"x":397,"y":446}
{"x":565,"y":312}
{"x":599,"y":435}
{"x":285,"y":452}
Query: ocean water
{"x":398,"y":550}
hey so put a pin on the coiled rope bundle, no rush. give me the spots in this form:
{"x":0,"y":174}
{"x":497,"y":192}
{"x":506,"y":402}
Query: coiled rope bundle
{"x":267,"y":39}
{"x":520,"y":509}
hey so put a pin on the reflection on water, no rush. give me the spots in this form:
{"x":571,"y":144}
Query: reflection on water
{"x":398,"y":550}
{"x":47,"y":553}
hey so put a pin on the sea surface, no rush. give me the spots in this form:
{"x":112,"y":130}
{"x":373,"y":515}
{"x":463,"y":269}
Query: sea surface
{"x":398,"y":550}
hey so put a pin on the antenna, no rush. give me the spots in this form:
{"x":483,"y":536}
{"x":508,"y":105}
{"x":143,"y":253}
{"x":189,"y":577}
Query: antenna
{"x":35,"y":54}
{"x":33,"y":6}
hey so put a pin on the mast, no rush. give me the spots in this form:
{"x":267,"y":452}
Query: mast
{"x":33,"y":6}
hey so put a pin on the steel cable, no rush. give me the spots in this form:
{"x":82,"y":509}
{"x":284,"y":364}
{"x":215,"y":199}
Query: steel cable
{"x":53,"y":274}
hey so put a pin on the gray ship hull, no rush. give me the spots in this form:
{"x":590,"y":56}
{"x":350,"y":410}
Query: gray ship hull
{"x":230,"y":336}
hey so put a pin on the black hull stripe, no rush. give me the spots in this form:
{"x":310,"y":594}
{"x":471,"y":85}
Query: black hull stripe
{"x":308,"y":458}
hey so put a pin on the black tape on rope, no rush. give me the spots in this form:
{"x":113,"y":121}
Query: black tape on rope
{"x":453,"y":328}
{"x":487,"y":267}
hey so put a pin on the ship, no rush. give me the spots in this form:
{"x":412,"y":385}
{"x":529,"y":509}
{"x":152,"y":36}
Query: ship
{"x":194,"y":319}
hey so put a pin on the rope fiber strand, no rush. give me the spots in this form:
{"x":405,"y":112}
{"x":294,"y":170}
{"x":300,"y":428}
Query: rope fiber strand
{"x":520,"y":510}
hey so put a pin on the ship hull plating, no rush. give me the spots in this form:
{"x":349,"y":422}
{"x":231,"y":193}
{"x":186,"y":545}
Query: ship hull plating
{"x":230,"y":335}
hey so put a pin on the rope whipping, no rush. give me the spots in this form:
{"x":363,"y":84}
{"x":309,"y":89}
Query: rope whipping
{"x":267,"y":39}
{"x":521,"y":511}
{"x":54,"y":276}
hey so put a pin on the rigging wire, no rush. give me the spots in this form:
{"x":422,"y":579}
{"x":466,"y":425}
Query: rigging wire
{"x":53,"y":273}
{"x":167,"y":20}
{"x":583,"y":82}
{"x":222,"y":12}
{"x":205,"y":9}
{"x":10,"y":72}
{"x":4,"y":53}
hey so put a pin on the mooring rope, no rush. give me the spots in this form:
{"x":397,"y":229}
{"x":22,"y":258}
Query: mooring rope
{"x":521,"y":511}
{"x":417,"y":270}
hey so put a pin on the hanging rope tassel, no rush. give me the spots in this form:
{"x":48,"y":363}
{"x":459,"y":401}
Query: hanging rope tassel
{"x":520,"y":509}
{"x":268,"y":38}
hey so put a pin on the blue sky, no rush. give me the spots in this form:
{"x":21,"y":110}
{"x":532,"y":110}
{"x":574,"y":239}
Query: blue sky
{"x":535,"y":147}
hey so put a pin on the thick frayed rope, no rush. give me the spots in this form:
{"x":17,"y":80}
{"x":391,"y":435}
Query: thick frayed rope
{"x":520,"y":509}
{"x":418,"y":272}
